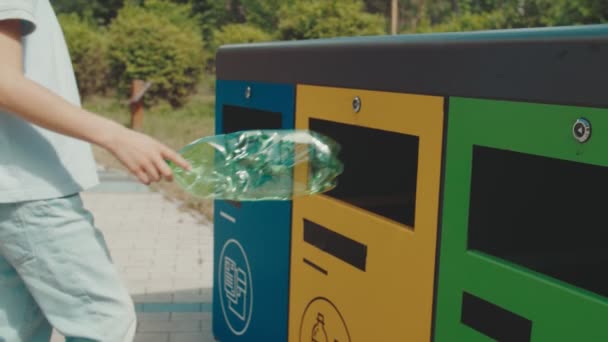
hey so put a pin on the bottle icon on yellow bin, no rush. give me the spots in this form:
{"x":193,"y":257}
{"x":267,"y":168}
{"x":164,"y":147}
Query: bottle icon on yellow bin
{"x":318,"y":330}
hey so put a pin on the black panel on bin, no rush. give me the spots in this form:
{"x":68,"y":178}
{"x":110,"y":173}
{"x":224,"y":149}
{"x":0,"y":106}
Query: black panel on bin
{"x":494,"y":321}
{"x":242,"y":119}
{"x":338,"y":245}
{"x":546,"y":214}
{"x":380,"y":169}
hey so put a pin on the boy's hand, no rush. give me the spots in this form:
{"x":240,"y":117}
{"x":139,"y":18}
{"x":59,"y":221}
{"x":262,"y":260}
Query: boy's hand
{"x":142,"y":155}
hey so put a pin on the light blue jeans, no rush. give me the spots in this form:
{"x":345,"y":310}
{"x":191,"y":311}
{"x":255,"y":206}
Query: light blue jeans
{"x":55,"y":270}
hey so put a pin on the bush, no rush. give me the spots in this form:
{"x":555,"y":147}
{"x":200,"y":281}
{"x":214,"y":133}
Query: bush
{"x":308,"y":19}
{"x":179,"y":15}
{"x":158,"y":46}
{"x":263,"y":14}
{"x":567,"y":12}
{"x":239,"y":33}
{"x":471,"y":22}
{"x":99,"y":11}
{"x":532,"y":13}
{"x":89,"y":53}
{"x":235,"y":34}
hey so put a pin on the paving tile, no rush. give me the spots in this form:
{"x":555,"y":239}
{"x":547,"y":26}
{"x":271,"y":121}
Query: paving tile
{"x":164,"y":255}
{"x":191,"y":316}
{"x":153,"y":316}
{"x":170,"y":326}
{"x":154,"y":298}
{"x":151,"y":337}
{"x":189,"y":298}
{"x":172,"y":307}
{"x":191,"y":337}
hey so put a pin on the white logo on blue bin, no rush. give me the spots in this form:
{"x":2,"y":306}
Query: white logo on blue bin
{"x":235,"y":287}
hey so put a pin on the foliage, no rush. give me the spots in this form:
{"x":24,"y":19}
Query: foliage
{"x":89,"y":52}
{"x":101,"y":11}
{"x":180,"y":15}
{"x":145,"y":44}
{"x":414,"y":15}
{"x":568,"y":12}
{"x":470,"y":22}
{"x":237,"y":33}
{"x":499,"y":14}
{"x":264,"y":14}
{"x":307,"y":19}
{"x":214,"y":14}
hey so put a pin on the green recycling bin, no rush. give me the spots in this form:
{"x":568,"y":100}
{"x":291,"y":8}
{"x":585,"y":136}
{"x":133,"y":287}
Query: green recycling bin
{"x":523,"y":253}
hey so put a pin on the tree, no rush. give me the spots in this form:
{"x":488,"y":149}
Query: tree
{"x":569,"y":12}
{"x":500,"y":14}
{"x":213,"y":14}
{"x":378,"y":6}
{"x":89,"y":53}
{"x":264,"y":14}
{"x":236,"y":34}
{"x":413,"y":13}
{"x":154,"y":43}
{"x":307,"y":19}
{"x":99,"y":11}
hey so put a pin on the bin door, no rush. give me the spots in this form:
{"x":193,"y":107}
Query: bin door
{"x":252,"y":239}
{"x":523,"y":242}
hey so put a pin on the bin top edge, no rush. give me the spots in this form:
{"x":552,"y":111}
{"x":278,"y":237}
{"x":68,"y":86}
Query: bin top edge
{"x":597,"y":32}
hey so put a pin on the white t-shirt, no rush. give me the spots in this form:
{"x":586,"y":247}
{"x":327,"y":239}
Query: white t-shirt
{"x":36,"y":163}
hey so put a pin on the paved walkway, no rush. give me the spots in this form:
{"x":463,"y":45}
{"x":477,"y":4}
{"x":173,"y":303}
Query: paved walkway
{"x":163,"y":254}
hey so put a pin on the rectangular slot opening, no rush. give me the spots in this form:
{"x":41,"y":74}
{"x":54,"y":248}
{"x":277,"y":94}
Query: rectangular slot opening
{"x":494,"y":321}
{"x":242,"y":119}
{"x":380,"y":169}
{"x":342,"y":247}
{"x":237,"y":119}
{"x":545,"y":214}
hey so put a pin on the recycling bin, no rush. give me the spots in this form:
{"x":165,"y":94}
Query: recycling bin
{"x":363,"y":254}
{"x":523,"y":238}
{"x":251,"y":239}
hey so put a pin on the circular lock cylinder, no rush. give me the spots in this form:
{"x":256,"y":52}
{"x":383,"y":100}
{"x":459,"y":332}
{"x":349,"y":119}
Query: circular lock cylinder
{"x":581,"y":130}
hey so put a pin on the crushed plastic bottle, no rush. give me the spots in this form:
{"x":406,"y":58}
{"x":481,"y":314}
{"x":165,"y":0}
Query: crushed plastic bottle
{"x":259,"y":165}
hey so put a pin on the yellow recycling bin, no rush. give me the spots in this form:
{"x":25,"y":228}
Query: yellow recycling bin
{"x":363,"y":254}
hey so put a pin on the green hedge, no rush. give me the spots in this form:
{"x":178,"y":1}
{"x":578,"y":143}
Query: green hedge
{"x":471,"y":22}
{"x":89,"y":53}
{"x":158,"y":43}
{"x":309,"y":19}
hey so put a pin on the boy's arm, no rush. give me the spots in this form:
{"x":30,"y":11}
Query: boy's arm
{"x":142,"y":155}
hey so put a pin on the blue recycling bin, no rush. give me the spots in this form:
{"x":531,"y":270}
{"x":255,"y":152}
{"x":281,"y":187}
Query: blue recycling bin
{"x":252,"y":239}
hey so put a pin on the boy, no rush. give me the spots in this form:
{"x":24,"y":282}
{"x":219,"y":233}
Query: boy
{"x":54,"y":266}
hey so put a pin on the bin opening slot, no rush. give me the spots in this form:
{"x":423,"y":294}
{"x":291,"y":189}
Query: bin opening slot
{"x":546,"y":214}
{"x":243,"y":119}
{"x":380,"y":169}
{"x":338,"y":245}
{"x":237,"y":119}
{"x":494,"y":321}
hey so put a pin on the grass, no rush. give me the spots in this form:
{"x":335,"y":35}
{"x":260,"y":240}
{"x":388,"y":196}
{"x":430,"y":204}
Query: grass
{"x":174,"y":127}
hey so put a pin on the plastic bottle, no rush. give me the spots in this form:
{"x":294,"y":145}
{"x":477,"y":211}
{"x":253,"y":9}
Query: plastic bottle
{"x":259,"y":165}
